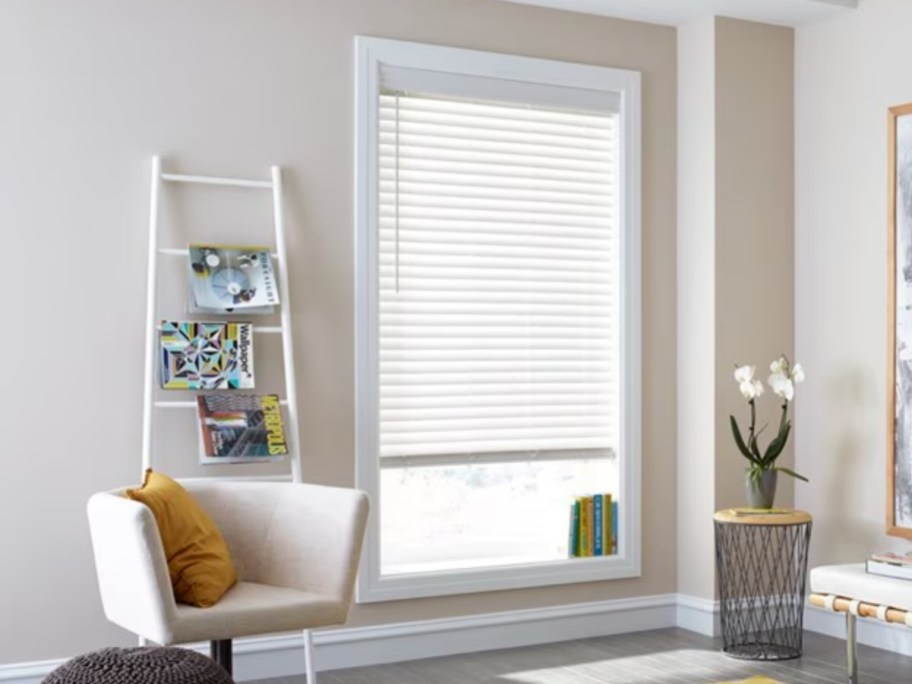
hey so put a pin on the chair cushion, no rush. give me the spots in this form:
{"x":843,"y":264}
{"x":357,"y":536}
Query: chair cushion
{"x":251,"y":608}
{"x":149,"y":665}
{"x":852,"y":582}
{"x":198,"y":559}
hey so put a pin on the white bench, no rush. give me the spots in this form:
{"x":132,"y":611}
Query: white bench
{"x":849,"y":589}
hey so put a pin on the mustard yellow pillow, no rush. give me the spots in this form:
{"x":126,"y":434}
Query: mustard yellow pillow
{"x":198,"y":559}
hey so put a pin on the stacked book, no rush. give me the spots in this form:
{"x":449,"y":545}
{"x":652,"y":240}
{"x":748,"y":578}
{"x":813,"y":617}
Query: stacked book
{"x":593,"y":526}
{"x":890,"y":564}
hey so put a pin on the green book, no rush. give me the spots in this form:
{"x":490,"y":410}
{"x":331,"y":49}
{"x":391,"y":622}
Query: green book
{"x":573,"y":547}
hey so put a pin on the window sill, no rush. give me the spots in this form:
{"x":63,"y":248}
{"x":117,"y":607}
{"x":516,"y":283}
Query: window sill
{"x":567,"y":571}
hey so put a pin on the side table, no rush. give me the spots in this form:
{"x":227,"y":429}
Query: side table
{"x":761,"y":562}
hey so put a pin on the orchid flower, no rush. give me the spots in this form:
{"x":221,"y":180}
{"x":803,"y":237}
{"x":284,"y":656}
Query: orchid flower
{"x":782,"y":386}
{"x":744,"y":374}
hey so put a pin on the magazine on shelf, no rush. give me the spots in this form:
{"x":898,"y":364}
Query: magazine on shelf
{"x":241,"y":428}
{"x":226,"y":278}
{"x":202,"y":355}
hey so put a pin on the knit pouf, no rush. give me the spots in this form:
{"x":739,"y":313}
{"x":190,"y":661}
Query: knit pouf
{"x":147,"y":665}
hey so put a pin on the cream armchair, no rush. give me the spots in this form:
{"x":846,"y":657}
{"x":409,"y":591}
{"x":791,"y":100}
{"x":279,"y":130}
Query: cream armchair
{"x":296,"y":548}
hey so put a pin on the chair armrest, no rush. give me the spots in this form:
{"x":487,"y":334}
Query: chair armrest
{"x":132,"y":570}
{"x":314,"y":540}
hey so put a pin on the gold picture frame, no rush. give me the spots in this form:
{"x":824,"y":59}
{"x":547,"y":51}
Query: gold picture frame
{"x":899,"y":322}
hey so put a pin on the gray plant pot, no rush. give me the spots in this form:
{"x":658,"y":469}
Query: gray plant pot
{"x":761,"y":493}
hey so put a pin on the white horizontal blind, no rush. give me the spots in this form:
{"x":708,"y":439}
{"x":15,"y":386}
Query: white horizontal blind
{"x":499,"y":278}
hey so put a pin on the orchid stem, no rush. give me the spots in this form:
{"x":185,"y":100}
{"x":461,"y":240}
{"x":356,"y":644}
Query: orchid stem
{"x":753,"y":405}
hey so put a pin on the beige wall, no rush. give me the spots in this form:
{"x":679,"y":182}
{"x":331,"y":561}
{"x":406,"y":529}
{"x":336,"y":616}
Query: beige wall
{"x":754,"y":231}
{"x":735,"y":261}
{"x":89,"y":91}
{"x":849,"y":71}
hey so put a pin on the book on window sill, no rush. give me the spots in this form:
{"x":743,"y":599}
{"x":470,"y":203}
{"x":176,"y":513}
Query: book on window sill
{"x":593,"y":526}
{"x":598,"y":527}
{"x":573,"y":541}
{"x":241,"y":428}
{"x":198,"y":355}
{"x":896,"y":570}
{"x":226,"y":278}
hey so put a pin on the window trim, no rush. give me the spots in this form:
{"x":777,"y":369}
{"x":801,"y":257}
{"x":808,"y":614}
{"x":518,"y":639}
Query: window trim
{"x":371,"y":54}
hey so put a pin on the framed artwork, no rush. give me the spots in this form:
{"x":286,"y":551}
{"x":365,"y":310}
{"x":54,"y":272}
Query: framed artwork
{"x":899,"y":317}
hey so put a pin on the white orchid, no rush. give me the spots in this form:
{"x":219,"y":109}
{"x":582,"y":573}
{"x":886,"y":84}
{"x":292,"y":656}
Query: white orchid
{"x":784,"y":376}
{"x":751,"y":389}
{"x":782,"y":386}
{"x":744,"y":374}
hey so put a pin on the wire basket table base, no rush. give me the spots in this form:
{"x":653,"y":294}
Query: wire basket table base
{"x":762,"y":571}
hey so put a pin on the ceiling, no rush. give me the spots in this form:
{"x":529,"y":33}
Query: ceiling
{"x":677,"y":12}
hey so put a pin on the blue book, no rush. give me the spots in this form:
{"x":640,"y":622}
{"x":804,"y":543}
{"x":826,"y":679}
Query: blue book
{"x":614,"y":525}
{"x":599,"y":533}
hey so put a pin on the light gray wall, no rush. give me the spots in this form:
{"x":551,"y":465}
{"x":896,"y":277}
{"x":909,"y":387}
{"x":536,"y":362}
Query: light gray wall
{"x":89,"y":90}
{"x":696,"y":288}
{"x":849,"y":71}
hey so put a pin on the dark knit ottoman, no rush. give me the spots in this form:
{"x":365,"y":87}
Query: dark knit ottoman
{"x":147,"y":665}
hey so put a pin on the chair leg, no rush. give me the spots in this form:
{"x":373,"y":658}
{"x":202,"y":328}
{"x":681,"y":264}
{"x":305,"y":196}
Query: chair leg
{"x":309,"y":668}
{"x":851,"y":648}
{"x":220,"y":652}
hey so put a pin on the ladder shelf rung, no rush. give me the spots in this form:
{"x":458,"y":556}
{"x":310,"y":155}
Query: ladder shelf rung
{"x":212,"y":180}
{"x":238,"y":478}
{"x":257,"y":329}
{"x":171,"y":404}
{"x":184,"y":251}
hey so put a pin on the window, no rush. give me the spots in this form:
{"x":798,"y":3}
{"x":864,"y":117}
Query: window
{"x":497,"y":315}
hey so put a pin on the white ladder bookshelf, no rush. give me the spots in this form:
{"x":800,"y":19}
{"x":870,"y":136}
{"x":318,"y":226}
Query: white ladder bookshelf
{"x":160,"y":181}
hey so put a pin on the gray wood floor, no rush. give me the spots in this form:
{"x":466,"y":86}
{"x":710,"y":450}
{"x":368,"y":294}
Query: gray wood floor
{"x":667,"y":656}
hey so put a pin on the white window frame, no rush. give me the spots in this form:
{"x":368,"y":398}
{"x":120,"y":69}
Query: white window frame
{"x":372,"y":54}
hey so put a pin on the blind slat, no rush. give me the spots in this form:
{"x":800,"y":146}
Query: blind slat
{"x":544,"y":160}
{"x":446,"y":445}
{"x":494,"y":111}
{"x":496,"y":126}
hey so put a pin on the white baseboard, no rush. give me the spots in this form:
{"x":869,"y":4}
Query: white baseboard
{"x":698,"y":615}
{"x":889,"y":637}
{"x":283,"y":655}
{"x":28,"y":673}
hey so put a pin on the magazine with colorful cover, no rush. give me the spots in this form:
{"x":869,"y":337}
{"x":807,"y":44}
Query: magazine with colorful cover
{"x":200,"y":355}
{"x":241,"y":428}
{"x":225,"y":278}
